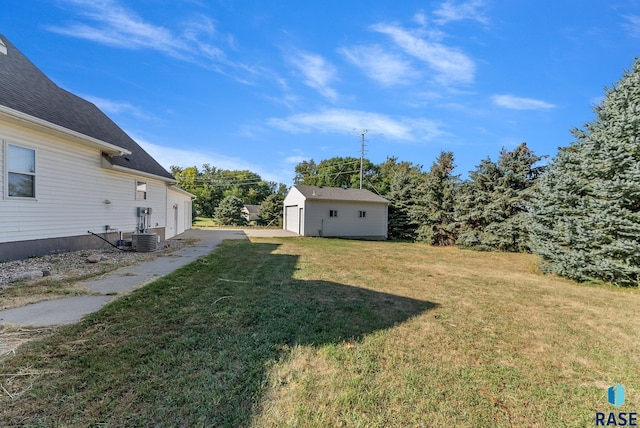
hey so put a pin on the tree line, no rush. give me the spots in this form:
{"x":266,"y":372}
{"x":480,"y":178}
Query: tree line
{"x":580,"y":213}
{"x":484,"y":212}
{"x":221,"y":194}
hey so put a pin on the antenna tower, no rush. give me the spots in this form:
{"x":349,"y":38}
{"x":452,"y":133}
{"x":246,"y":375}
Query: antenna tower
{"x":362,"y":156}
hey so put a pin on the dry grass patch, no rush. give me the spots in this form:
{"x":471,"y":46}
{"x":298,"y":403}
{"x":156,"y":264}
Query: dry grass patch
{"x":506,"y":346}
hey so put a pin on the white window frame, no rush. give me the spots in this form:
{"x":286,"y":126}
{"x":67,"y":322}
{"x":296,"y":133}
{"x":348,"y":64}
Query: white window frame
{"x":333,"y":213}
{"x":8,"y":170}
{"x":145,"y":192}
{"x":362,"y":214}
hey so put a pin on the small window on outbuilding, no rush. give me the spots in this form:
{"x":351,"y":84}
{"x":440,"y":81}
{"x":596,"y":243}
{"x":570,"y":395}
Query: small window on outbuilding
{"x":141,"y":190}
{"x":362,"y":214}
{"x":333,"y":213}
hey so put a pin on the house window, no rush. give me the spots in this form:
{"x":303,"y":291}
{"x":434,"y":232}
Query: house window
{"x":333,"y":213}
{"x":362,"y":214}
{"x":21,"y":172}
{"x":141,"y":191}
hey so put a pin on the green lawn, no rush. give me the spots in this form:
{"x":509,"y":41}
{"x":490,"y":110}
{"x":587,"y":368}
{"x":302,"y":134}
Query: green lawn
{"x":318,"y":332}
{"x":212,"y":223}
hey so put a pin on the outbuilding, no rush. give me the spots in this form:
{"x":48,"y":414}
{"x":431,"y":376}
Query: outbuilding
{"x":335,"y":212}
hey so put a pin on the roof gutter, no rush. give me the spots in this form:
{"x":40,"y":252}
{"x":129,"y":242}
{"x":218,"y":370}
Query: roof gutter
{"x":108,"y":165}
{"x":175,"y":187}
{"x":32,"y":122}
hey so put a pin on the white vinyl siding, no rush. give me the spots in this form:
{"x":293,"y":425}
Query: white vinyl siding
{"x":348,"y":222}
{"x":71,"y":192}
{"x":311,"y":217}
{"x":178,"y":212}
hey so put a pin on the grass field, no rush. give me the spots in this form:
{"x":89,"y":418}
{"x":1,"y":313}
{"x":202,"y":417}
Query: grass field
{"x":319,"y":332}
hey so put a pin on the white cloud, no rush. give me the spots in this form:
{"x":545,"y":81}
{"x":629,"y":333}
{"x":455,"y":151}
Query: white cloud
{"x":340,"y":121}
{"x":451,"y":66}
{"x":450,"y":11}
{"x":385,"y":67}
{"x":109,"y":23}
{"x":116,"y":26}
{"x":295,"y":159}
{"x":317,"y":72}
{"x":167,"y":156}
{"x":632,"y":26}
{"x":118,"y":107}
{"x":520,"y":103}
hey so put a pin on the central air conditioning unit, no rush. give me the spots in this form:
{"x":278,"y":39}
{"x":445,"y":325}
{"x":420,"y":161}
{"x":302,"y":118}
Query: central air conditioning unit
{"x":144,"y":242}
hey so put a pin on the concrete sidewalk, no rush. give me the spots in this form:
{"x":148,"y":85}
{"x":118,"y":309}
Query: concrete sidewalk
{"x":110,"y":286}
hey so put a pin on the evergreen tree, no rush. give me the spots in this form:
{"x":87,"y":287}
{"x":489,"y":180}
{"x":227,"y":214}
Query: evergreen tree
{"x":492,"y":205}
{"x":586,"y":220}
{"x":397,"y":181}
{"x":387,"y":171}
{"x":271,"y":210}
{"x":400,"y":195}
{"x":433,"y":208}
{"x":229,"y":212}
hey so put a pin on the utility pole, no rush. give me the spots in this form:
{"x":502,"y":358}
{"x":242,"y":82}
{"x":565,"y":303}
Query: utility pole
{"x":362,"y":157}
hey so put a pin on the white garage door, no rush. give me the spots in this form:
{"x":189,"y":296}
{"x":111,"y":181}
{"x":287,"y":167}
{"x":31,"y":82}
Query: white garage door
{"x":293,"y":222}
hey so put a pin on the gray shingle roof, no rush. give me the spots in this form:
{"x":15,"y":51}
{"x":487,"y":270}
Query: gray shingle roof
{"x":339,"y":194}
{"x":252,"y":209}
{"x":24,"y":88}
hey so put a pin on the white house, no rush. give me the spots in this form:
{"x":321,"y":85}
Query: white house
{"x":66,"y":169}
{"x":335,"y":211}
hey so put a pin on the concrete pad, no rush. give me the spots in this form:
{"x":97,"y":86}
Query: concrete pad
{"x":68,"y":310}
{"x":269,"y":233}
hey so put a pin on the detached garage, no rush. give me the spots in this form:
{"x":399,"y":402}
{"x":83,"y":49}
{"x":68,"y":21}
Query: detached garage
{"x":335,"y":211}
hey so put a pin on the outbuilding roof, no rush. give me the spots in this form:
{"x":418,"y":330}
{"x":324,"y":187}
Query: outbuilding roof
{"x":252,"y":209}
{"x":339,"y":194}
{"x":26,"y":89}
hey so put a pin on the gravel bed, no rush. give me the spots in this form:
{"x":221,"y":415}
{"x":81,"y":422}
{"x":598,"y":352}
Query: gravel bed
{"x":65,"y":265}
{"x":76,"y":263}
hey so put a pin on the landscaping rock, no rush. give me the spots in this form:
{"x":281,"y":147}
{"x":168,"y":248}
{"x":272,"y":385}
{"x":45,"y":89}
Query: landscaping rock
{"x":73,"y":264}
{"x":25,"y":276}
{"x":94,"y":258}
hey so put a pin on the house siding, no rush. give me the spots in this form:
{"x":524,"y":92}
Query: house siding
{"x":313,"y":218}
{"x":71,"y":187}
{"x":292,"y":204}
{"x":179,"y":219}
{"x":318,"y":222}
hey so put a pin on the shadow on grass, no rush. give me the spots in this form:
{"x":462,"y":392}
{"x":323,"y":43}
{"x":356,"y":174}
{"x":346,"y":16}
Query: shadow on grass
{"x":194,"y":348}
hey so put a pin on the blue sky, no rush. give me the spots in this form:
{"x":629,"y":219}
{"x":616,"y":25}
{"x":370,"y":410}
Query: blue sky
{"x":263,"y":85}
